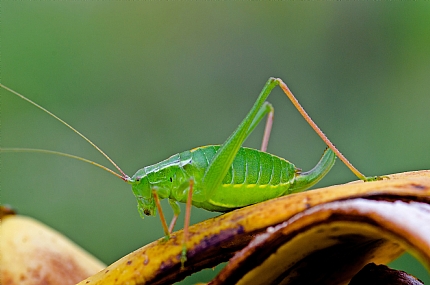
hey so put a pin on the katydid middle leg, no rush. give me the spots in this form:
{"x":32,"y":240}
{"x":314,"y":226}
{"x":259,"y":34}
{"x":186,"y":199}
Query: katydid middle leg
{"x":176,"y":211}
{"x":187,"y":223}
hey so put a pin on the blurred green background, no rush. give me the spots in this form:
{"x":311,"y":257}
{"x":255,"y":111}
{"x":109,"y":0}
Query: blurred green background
{"x":145,"y":80}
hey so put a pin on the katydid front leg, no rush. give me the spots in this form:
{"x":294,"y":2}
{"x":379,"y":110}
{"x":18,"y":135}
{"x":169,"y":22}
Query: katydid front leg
{"x":160,"y":212}
{"x":176,"y":211}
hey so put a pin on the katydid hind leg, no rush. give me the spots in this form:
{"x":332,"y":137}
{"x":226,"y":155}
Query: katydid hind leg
{"x":224,"y":157}
{"x":265,"y":110}
{"x":314,"y":126}
{"x":267,"y":128}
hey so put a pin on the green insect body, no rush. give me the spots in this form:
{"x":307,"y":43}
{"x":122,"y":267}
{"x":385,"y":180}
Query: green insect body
{"x":220,"y":177}
{"x":254,"y":176}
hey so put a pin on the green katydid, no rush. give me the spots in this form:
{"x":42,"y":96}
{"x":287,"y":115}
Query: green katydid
{"x":220,"y":178}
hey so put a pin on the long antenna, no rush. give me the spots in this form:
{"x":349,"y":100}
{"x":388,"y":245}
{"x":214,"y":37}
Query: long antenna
{"x":321,"y":134}
{"x":124,"y":176}
{"x":6,"y":149}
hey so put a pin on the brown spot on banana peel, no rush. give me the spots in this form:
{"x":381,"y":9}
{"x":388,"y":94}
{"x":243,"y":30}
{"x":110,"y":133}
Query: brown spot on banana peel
{"x":6,"y":210}
{"x":251,"y":221}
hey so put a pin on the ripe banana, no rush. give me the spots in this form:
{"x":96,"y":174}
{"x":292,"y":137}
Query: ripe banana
{"x":32,"y":253}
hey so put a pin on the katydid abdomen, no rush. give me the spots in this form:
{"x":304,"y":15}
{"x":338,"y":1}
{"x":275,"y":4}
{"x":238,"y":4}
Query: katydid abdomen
{"x":254,"y":176}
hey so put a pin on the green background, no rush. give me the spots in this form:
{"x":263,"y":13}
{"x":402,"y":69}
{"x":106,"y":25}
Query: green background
{"x":145,"y":80}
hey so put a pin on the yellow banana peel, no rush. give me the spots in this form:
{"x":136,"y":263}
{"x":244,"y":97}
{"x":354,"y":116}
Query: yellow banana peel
{"x":32,"y":253}
{"x":321,"y":236}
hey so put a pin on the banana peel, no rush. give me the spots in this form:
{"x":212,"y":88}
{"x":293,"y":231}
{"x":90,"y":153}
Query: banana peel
{"x":321,"y":236}
{"x":382,"y":275}
{"x":32,"y":253}
{"x":331,"y":242}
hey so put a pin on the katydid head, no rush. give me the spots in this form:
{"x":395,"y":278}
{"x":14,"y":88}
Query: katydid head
{"x":166,"y":179}
{"x":148,"y":184}
{"x":141,"y":187}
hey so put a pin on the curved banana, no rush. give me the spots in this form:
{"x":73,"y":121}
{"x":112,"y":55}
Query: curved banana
{"x":363,"y":221}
